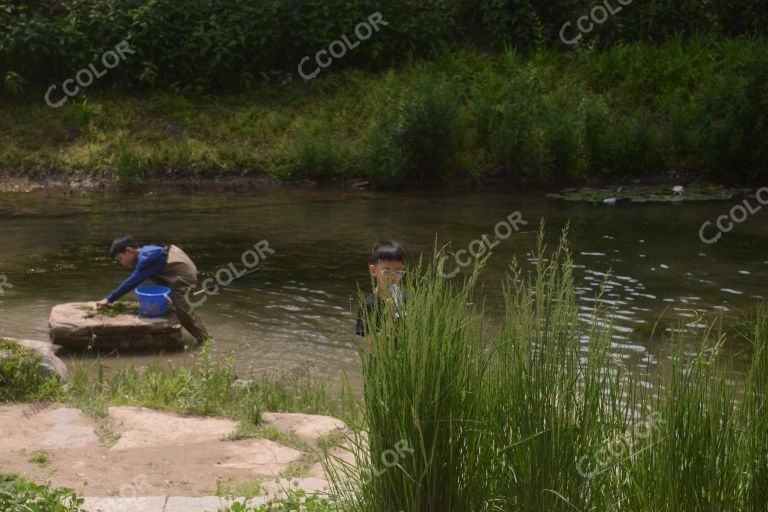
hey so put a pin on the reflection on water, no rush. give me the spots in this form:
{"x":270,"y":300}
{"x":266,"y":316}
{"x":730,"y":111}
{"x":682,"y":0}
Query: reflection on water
{"x":299,"y":312}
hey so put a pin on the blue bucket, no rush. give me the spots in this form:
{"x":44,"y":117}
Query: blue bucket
{"x":153,"y":300}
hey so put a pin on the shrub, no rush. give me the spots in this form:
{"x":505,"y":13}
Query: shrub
{"x":238,"y":44}
{"x":315,"y":152}
{"x":416,"y":135}
{"x":22,"y":376}
{"x":292,"y":501}
{"x":20,"y":495}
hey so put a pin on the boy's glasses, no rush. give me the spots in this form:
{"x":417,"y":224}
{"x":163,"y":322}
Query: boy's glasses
{"x":385,"y":272}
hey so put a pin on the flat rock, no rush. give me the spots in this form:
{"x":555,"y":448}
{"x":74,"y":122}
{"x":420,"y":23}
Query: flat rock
{"x":50,"y":363}
{"x":135,"y":455}
{"x":73,"y":325}
{"x":137,"y":504}
{"x":307,"y":427}
{"x":207,"y":503}
{"x":141,"y":427}
{"x":45,"y":426}
{"x":197,"y":437}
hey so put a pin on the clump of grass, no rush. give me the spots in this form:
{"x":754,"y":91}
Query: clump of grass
{"x":416,"y":134}
{"x":246,"y":489}
{"x":22,"y":376}
{"x":315,"y":152}
{"x":422,"y":392}
{"x":290,"y":501}
{"x":549,"y":394}
{"x":40,"y":457}
{"x":709,"y":452}
{"x":208,"y":387}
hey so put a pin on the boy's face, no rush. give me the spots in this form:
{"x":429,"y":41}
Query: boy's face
{"x":387,"y":272}
{"x":128,"y":258}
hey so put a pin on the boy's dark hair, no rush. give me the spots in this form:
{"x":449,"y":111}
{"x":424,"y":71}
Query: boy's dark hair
{"x":387,"y":250}
{"x":120,"y":244}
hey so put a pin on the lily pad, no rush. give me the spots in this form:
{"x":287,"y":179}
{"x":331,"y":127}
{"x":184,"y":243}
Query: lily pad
{"x":644,"y":194}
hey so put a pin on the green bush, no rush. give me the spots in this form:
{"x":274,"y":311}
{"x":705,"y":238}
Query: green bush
{"x":22,"y":376}
{"x":734,"y":111}
{"x":538,"y":137}
{"x":291,"y":502}
{"x":20,"y":495}
{"x":416,"y":135}
{"x":315,"y":152}
{"x":238,"y":44}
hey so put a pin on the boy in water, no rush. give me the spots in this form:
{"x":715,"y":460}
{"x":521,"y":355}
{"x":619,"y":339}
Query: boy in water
{"x":165,"y":265}
{"x":387,"y":266}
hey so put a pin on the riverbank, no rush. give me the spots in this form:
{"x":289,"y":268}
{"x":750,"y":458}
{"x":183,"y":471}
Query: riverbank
{"x":684,"y":110}
{"x":548,"y":419}
{"x":193,"y":436}
{"x":138,"y":451}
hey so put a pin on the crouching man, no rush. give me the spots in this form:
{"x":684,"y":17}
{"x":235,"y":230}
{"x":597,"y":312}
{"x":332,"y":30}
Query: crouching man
{"x":165,"y":265}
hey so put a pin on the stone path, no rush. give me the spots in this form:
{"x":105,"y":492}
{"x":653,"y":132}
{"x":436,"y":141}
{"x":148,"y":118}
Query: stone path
{"x":165,"y":504}
{"x":140,"y":459}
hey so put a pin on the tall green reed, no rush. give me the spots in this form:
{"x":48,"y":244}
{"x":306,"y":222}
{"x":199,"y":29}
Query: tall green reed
{"x":552,"y":394}
{"x":422,"y":401}
{"x":537,"y":412}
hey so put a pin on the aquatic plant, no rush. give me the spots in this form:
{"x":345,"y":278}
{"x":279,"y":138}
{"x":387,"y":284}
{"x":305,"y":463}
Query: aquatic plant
{"x":112,"y":310}
{"x":645,"y":194}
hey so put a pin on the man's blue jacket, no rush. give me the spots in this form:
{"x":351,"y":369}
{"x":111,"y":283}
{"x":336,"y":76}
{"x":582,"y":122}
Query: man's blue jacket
{"x":152,"y":260}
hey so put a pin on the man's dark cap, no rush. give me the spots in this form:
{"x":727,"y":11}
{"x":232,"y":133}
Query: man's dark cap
{"x":120,"y":244}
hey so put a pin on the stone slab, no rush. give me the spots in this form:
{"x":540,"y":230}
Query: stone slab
{"x":166,"y":504}
{"x":73,"y":326}
{"x":45,"y":426}
{"x":198,"y":439}
{"x":47,"y":352}
{"x":137,"y":504}
{"x":307,"y":427}
{"x":201,"y":504}
{"x":141,"y":427}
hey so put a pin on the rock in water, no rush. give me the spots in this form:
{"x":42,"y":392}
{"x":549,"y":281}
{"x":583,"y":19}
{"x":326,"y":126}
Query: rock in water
{"x":45,"y":350}
{"x":79,"y":325}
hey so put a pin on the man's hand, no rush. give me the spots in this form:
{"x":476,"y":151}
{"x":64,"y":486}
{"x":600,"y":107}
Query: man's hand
{"x":102,"y":303}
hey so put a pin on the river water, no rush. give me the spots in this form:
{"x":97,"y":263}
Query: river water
{"x":299,"y":311}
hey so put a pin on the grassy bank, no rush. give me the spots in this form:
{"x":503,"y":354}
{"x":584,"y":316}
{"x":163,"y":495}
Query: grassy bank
{"x":539,"y":415}
{"x":206,"y":388}
{"x":693,"y":110}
